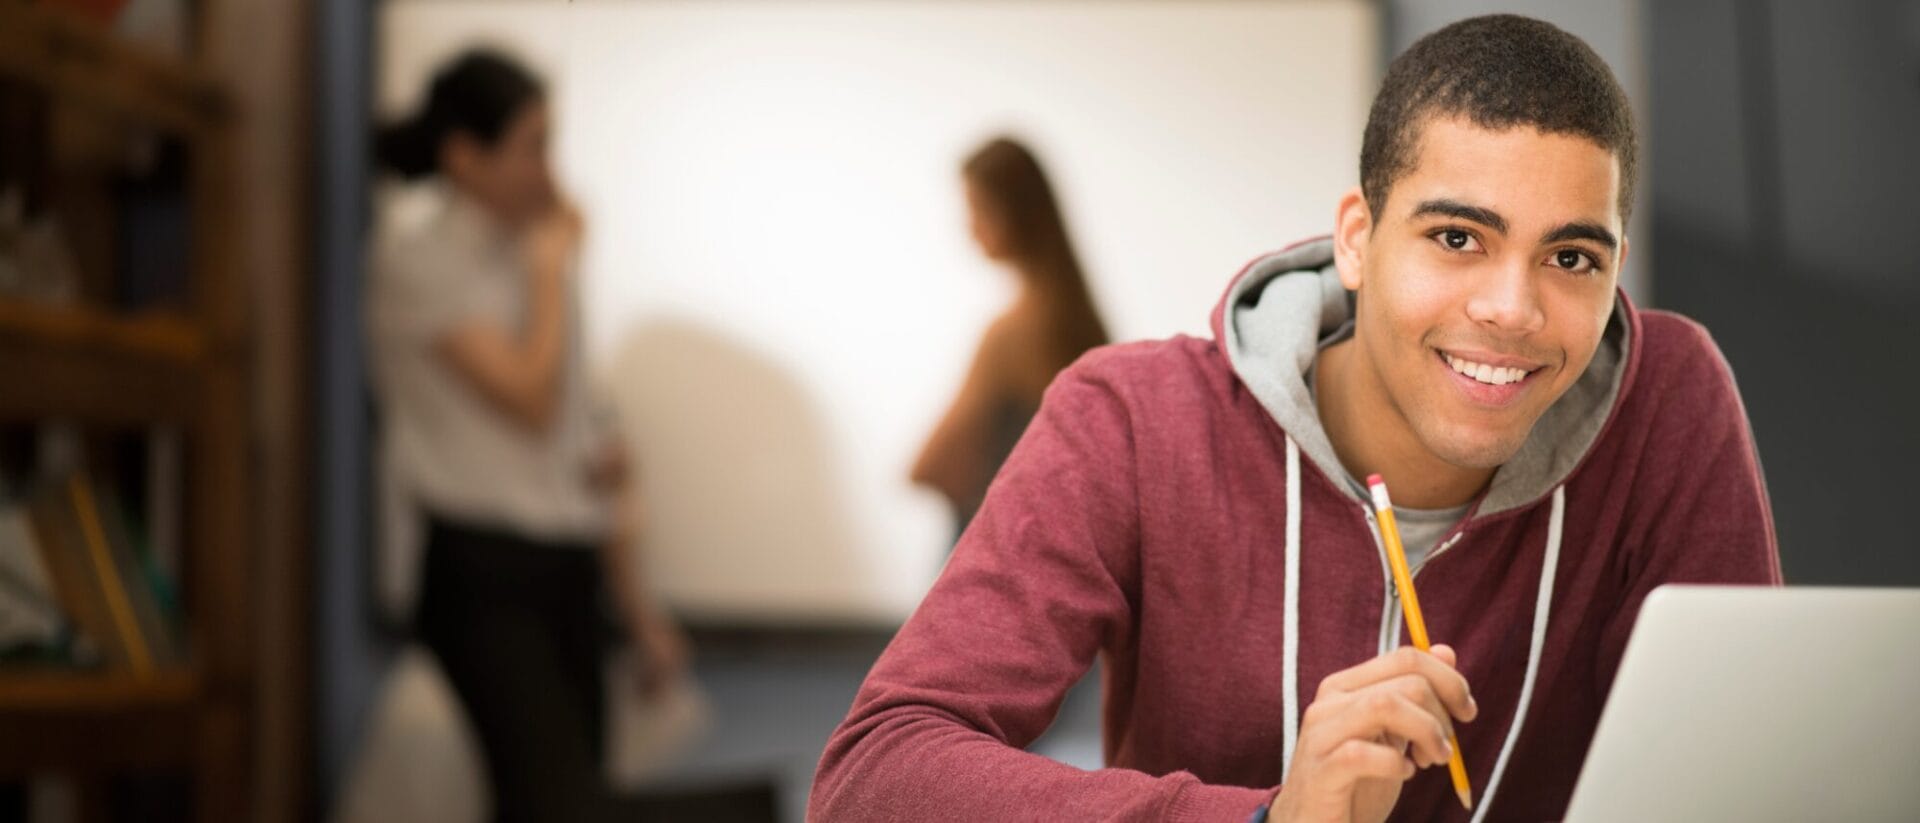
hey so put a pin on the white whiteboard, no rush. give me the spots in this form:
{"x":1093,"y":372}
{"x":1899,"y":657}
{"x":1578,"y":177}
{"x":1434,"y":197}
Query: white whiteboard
{"x":779,"y":284}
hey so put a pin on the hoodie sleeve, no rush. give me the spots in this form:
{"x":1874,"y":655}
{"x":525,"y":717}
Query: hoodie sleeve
{"x":1046,"y":575}
{"x":1711,"y":521}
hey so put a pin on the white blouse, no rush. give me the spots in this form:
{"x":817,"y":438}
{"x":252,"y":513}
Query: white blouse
{"x":445,"y":448}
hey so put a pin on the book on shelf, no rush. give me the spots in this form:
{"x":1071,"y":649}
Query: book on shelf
{"x":32,"y":626}
{"x":153,"y":230}
{"x":100,"y":579}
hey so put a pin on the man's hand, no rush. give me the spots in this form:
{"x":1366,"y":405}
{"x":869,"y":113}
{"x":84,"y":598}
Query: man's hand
{"x":1368,"y":729}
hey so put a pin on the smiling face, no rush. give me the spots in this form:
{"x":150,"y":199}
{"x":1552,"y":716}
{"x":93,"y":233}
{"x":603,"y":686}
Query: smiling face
{"x":1483,"y":287}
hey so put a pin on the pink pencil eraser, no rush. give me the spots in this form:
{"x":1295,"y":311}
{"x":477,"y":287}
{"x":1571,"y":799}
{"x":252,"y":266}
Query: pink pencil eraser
{"x":1378,"y":488}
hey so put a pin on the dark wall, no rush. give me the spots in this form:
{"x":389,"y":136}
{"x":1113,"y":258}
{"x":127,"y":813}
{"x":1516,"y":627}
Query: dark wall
{"x":348,"y":654}
{"x":1785,"y":165}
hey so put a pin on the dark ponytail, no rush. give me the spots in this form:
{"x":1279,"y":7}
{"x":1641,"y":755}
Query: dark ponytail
{"x":478,"y":94}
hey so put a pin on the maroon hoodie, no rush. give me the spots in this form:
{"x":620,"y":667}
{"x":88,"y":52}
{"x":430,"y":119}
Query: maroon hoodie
{"x":1176,"y":511}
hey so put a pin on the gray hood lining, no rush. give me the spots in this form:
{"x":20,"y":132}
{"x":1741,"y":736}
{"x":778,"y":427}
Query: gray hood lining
{"x":1282,"y":306}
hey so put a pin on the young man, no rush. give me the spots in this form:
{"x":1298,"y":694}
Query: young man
{"x":1187,"y":510}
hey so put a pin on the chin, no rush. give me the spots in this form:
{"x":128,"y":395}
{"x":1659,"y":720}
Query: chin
{"x":1476,"y":450}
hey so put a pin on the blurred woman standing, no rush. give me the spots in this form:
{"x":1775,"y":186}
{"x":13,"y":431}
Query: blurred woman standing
{"x":491,"y":437}
{"x":1016,"y":222}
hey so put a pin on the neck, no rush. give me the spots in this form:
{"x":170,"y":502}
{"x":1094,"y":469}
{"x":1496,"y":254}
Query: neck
{"x":1370,"y":435}
{"x":496,"y":218}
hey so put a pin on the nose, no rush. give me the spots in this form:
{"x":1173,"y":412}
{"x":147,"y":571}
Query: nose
{"x":1507,"y":299}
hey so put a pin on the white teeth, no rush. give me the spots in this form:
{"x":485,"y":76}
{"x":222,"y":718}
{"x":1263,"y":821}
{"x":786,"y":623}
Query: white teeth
{"x":1491,"y":375}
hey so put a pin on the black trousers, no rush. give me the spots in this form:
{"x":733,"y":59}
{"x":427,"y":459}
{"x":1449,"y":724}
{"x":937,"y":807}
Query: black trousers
{"x":518,"y":628}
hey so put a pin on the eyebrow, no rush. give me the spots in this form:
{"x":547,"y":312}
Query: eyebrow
{"x":1457,"y":209}
{"x":1487,"y":217}
{"x":1583,"y":231}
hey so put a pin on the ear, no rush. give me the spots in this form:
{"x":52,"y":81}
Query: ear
{"x":1352,"y":226}
{"x":1620,"y":262}
{"x":460,"y":155}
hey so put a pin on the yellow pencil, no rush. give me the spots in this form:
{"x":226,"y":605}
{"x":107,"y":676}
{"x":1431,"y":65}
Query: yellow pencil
{"x":1410,"y":605}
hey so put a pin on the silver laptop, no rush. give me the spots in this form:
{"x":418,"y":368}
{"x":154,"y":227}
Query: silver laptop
{"x":1760,"y":704}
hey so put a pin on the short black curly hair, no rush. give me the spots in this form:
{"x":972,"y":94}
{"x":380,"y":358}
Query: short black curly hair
{"x":1498,"y":71}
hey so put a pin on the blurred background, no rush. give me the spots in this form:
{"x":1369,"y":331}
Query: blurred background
{"x":780,"y":289}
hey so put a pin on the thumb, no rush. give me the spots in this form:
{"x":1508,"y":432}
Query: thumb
{"x":1446,"y":655}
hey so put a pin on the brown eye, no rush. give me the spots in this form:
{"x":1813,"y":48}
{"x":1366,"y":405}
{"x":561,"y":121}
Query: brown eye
{"x":1574,"y":262}
{"x":1458,"y":241}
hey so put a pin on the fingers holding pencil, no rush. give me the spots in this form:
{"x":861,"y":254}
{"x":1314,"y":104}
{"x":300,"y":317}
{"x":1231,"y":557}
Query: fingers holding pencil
{"x":1435,"y":666}
{"x":1367,"y":731}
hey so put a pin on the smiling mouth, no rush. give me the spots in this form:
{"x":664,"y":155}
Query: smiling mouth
{"x":1488,"y":374}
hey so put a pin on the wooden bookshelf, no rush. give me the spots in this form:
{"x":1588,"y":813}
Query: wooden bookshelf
{"x":144,"y":737}
{"x":159,"y":337}
{"x":62,"y":690}
{"x":75,"y":59}
{"x":216,"y":370}
{"x":90,"y":366}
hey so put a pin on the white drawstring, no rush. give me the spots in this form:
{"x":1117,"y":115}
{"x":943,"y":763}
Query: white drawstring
{"x":1542,"y":602}
{"x":1290,"y":630}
